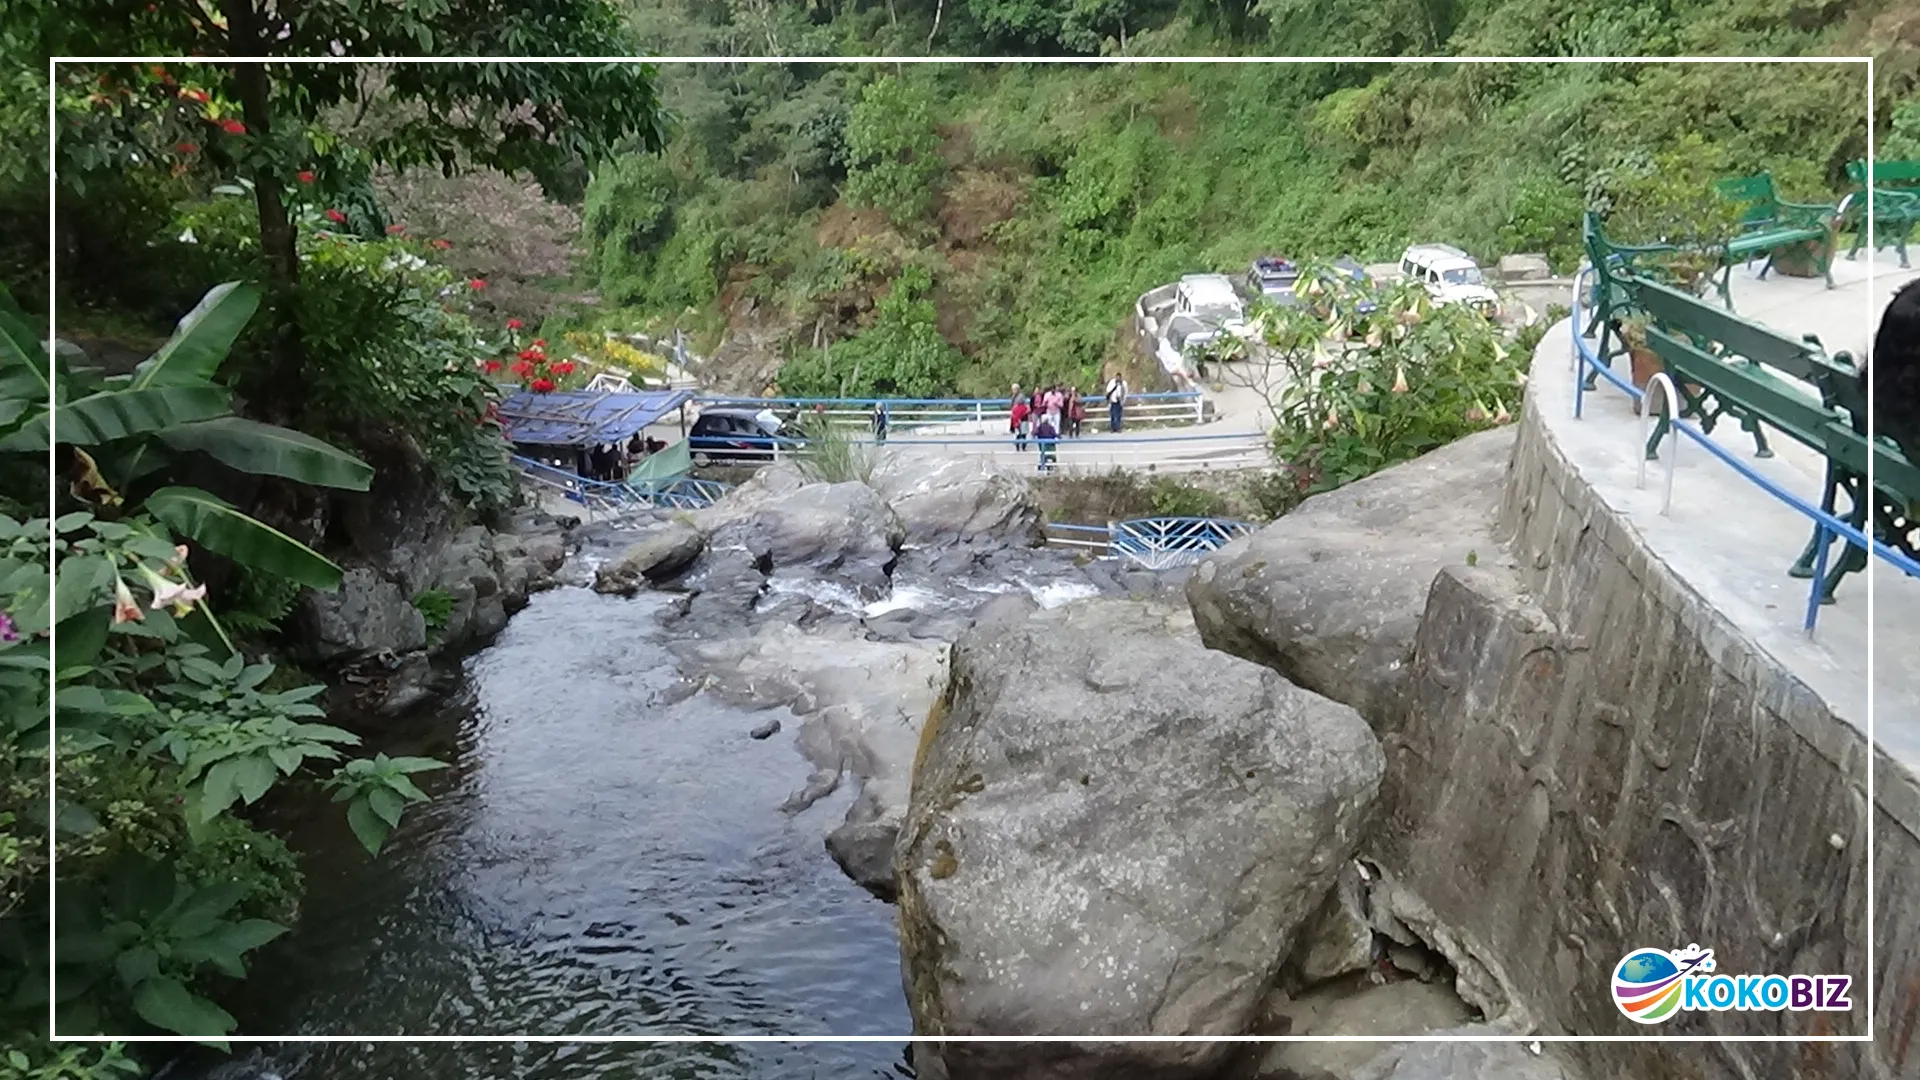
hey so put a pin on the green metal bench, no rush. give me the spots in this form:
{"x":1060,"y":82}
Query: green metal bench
{"x":1725,"y":366}
{"x":1769,"y":225}
{"x":1896,"y":205}
{"x":1612,"y":264}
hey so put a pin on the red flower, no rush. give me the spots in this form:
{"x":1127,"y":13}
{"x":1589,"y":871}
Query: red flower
{"x":539,"y":343}
{"x":336,"y":217}
{"x":200,"y":96}
{"x":514,"y":324}
{"x":396,"y":229}
{"x":305,"y":176}
{"x":493,"y":366}
{"x":531,"y":355}
{"x":187,"y":147}
{"x":233,"y":127}
{"x":476,"y":283}
{"x":564,"y":367}
{"x":542,"y":386}
{"x":159,"y":72}
{"x":522,"y":368}
{"x":441,"y":245}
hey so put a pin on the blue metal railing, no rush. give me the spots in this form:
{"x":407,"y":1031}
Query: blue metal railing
{"x":1827,"y":526}
{"x":675,"y":493}
{"x":1155,"y":543}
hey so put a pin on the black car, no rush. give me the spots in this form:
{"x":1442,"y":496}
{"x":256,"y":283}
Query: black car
{"x":733,"y":433}
{"x":1272,"y":278}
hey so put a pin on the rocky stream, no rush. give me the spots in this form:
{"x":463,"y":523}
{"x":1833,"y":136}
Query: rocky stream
{"x":1052,"y":810}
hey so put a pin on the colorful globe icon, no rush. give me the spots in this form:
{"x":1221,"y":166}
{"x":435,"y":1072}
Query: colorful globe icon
{"x":1647,"y":986}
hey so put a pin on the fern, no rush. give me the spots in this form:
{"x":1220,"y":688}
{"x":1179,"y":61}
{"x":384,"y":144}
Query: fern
{"x":436,"y":605}
{"x":259,"y":601}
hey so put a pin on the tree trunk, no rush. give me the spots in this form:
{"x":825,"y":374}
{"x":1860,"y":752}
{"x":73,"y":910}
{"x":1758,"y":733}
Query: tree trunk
{"x":246,"y":37}
{"x":938,"y":7}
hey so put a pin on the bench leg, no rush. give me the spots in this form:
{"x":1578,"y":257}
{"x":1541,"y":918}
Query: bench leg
{"x":1803,"y":566}
{"x":1900,"y":243}
{"x":1766,"y":266}
{"x":1751,"y":426}
{"x":1859,"y":238}
{"x":1858,"y":513}
{"x":1725,"y":285}
{"x":1660,"y":425}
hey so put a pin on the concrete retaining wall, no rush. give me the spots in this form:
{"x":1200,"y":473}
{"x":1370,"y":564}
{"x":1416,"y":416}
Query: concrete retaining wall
{"x":1592,"y":760}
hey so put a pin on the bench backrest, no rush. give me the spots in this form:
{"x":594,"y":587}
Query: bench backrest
{"x":1893,"y":174}
{"x":1736,"y":382}
{"x":1759,"y":202}
{"x":1701,"y":321}
{"x":1892,"y":472}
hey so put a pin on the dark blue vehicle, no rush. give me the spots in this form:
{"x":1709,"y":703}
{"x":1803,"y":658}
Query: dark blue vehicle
{"x":740,"y":434}
{"x":1273,"y":278}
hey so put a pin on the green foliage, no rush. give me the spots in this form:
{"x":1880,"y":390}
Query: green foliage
{"x":436,"y":605}
{"x":1902,"y":142}
{"x":377,"y":790}
{"x":1360,"y":390}
{"x":892,"y":149}
{"x":166,"y":733}
{"x":832,"y":455}
{"x":901,"y":355}
{"x":388,"y":353}
{"x":1171,"y":498}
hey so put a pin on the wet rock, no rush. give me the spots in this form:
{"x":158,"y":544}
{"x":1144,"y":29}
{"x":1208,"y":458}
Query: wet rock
{"x":1354,"y":1006}
{"x":945,"y":500}
{"x":765,"y":731}
{"x":1331,"y":594}
{"x":367,"y":615}
{"x":865,"y":853}
{"x":1007,"y":608}
{"x":659,"y":554}
{"x":1114,"y":830}
{"x":412,"y":685}
{"x":821,"y":784}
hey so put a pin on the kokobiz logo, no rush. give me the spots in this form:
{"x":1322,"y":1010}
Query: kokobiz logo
{"x":1650,"y":985}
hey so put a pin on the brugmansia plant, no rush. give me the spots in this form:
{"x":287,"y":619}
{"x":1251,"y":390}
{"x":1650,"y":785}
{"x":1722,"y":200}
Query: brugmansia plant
{"x":1361,"y":377}
{"x":154,"y":706}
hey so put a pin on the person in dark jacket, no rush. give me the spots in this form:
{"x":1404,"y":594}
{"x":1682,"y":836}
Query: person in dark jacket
{"x":1044,"y":435}
{"x":1896,"y":372}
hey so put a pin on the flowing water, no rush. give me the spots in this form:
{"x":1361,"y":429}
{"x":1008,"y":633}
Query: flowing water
{"x":605,"y":855}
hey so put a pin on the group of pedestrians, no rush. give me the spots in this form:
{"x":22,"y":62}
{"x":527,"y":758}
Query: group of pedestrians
{"x":611,"y":462}
{"x":1045,"y":416}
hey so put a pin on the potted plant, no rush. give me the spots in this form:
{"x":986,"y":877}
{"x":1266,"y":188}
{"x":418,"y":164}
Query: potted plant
{"x":1643,"y":362}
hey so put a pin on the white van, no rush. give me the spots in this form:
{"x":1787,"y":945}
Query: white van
{"x":1450,"y":276}
{"x":1213,"y":302}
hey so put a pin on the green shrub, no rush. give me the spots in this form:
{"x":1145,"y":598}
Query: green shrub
{"x":436,"y":605}
{"x":892,"y":149}
{"x":834,"y":456}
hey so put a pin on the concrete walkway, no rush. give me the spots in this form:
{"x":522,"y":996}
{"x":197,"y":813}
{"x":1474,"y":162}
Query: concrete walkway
{"x":1733,"y":542}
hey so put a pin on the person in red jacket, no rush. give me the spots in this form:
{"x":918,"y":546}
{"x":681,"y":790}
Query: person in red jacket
{"x":1018,"y":418}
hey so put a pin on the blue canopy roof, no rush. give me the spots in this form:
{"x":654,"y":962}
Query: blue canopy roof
{"x":583,"y":417}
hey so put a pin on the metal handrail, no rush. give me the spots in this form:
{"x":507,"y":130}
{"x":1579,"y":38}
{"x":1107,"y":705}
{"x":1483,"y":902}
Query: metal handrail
{"x":1825,"y":523}
{"x":1155,"y":543}
{"x":1670,"y":397}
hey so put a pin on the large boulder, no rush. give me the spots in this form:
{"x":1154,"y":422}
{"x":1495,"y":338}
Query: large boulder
{"x":1331,"y":594}
{"x":842,"y":532}
{"x":366,"y":616}
{"x":660,"y":553}
{"x":1114,"y":831}
{"x":950,"y":500}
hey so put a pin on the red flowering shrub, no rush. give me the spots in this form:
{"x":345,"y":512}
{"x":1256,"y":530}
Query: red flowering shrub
{"x":396,"y":229}
{"x":542,"y":386}
{"x":233,"y":127}
{"x":441,"y":245}
{"x":514,"y":324}
{"x":336,"y":217}
{"x":476,"y":283}
{"x":305,"y":176}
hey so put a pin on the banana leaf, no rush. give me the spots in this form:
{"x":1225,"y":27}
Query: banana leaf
{"x":23,"y":359}
{"x":117,"y":414}
{"x":219,"y":527}
{"x":200,"y":343}
{"x":267,"y":450}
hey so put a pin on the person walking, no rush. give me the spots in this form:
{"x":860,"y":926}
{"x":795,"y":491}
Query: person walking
{"x":880,"y":421}
{"x":1044,"y":434}
{"x":1017,"y":419}
{"x":1076,"y":412}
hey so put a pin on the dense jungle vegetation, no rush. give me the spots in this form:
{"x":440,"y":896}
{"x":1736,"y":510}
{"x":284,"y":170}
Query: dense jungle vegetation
{"x":1019,"y":209}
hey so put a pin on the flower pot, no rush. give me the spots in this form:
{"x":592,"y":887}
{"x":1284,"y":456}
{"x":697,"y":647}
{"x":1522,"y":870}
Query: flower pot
{"x":1645,"y":365}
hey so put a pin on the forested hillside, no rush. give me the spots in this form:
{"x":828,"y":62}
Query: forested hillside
{"x":951,"y":226}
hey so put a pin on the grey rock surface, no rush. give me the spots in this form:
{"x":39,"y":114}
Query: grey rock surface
{"x":659,"y":553}
{"x":1524,"y":268}
{"x":1461,"y":1061}
{"x":949,"y":500}
{"x":367,"y":615}
{"x":845,"y":533}
{"x":1331,"y":594}
{"x":1114,"y":830}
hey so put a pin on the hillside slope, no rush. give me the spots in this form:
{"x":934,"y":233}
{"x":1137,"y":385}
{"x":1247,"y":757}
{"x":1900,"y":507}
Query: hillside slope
{"x":1014,"y":211}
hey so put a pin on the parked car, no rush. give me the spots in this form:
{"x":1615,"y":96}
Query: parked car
{"x":1210,"y":299}
{"x":740,"y":434}
{"x":1271,"y":278}
{"x":1450,"y":276}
